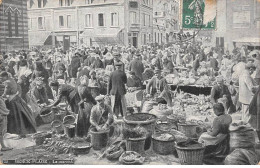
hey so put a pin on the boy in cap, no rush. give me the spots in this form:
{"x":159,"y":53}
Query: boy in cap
{"x":3,"y":120}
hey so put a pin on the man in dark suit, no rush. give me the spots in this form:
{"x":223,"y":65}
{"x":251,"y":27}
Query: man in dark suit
{"x":116,"y":88}
{"x":75,"y":64}
{"x":137,"y":66}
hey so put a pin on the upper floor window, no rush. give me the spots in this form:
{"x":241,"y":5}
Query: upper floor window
{"x":16,"y":24}
{"x":101,"y":19}
{"x":65,"y":2}
{"x":89,"y":1}
{"x":41,"y":3}
{"x":40,"y":23}
{"x":61,"y":21}
{"x":10,"y":33}
{"x":88,"y":20}
{"x":114,"y":19}
{"x":69,"y":21}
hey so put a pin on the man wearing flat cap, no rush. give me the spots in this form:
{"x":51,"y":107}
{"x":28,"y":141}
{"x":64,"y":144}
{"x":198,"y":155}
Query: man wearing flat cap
{"x":116,"y":88}
{"x":101,"y":116}
{"x":247,"y":88}
{"x":137,"y":66}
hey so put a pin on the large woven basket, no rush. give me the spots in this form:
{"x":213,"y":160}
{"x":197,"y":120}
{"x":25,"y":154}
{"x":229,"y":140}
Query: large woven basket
{"x":47,"y":115}
{"x":190,"y":156}
{"x":163,"y":147}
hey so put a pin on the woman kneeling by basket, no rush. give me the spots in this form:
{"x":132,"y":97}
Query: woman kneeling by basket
{"x":217,"y":139}
{"x":101,"y":116}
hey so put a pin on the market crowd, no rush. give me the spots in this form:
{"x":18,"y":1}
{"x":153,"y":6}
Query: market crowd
{"x":100,"y":83}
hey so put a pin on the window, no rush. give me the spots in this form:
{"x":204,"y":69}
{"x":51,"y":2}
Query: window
{"x":68,"y":2}
{"x":61,"y":2}
{"x":69,"y":21}
{"x":39,"y":3}
{"x":101,"y":19}
{"x":89,"y":1}
{"x":61,"y":21}
{"x":133,"y":18}
{"x":133,"y":4}
{"x":88,"y":20}
{"x":40,"y":22}
{"x":155,"y":37}
{"x":16,"y":24}
{"x":114,"y":19}
{"x":144,"y":38}
{"x":10,"y":24}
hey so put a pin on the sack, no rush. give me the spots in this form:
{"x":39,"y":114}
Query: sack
{"x":241,"y":157}
{"x":241,"y":136}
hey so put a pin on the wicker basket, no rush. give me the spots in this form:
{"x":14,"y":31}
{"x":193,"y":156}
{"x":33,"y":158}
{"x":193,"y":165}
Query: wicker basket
{"x":188,"y":129}
{"x":163,"y":147}
{"x":47,"y":115}
{"x":136,"y":145}
{"x":190,"y":156}
{"x":69,"y":120}
{"x":57,"y":126}
{"x":100,"y":139}
{"x":145,"y":120}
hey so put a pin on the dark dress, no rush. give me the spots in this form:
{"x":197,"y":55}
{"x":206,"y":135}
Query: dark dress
{"x":85,"y":107}
{"x":71,"y":95}
{"x":20,"y":120}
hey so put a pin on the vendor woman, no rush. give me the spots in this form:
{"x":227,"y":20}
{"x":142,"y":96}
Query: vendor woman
{"x":67,"y":91}
{"x":19,"y":120}
{"x":156,"y":84}
{"x":101,"y":116}
{"x":216,"y":140}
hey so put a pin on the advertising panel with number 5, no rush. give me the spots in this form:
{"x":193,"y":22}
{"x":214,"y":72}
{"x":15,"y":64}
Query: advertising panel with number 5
{"x":199,"y":14}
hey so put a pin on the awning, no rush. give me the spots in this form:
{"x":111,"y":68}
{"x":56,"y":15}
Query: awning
{"x":109,"y":37}
{"x":38,"y":39}
{"x":250,"y":41}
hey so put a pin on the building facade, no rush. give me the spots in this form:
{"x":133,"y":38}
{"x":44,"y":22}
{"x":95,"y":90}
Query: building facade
{"x":238,"y":23}
{"x":90,"y":22}
{"x":165,"y":20}
{"x":13,"y":25}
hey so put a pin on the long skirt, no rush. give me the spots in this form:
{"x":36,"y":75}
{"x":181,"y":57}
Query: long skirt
{"x":217,"y":148}
{"x":20,"y":120}
{"x":83,"y":123}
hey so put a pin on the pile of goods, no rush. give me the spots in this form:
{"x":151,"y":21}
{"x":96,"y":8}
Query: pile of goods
{"x":192,"y":105}
{"x":138,"y":132}
{"x":115,"y":150}
{"x":131,"y":158}
{"x":186,"y":79}
{"x":60,"y":144}
{"x":164,"y":137}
